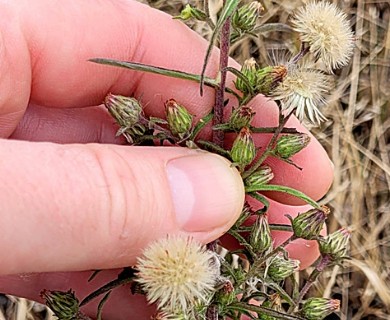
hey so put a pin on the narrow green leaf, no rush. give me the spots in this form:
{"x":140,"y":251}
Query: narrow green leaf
{"x":227,"y":11}
{"x":164,"y":72}
{"x":156,"y":70}
{"x":201,"y":124}
{"x":101,"y":305}
{"x":290,"y":191}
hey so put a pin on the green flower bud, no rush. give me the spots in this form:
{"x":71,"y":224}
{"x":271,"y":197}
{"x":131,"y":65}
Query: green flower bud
{"x":308,"y":225}
{"x":241,"y":117}
{"x":260,"y":237}
{"x":226,"y":295}
{"x":245,"y":214}
{"x":179,"y":119}
{"x":291,"y":144}
{"x":335,"y":244}
{"x":280,"y":267}
{"x":319,"y":308}
{"x":64,"y":305}
{"x":268,"y":78}
{"x":243,"y":150}
{"x":191,"y":12}
{"x":127,"y":112}
{"x":249,"y":70}
{"x":245,"y":18}
{"x":261,"y":176}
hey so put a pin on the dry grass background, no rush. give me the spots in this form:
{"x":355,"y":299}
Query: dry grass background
{"x":357,"y":139}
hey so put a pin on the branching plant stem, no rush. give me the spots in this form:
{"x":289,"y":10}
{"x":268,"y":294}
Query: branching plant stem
{"x":323,"y":263}
{"x":282,"y":122}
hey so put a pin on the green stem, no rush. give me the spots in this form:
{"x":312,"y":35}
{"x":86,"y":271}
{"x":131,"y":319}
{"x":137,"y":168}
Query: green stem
{"x":244,"y":307}
{"x":288,"y":190}
{"x":282,"y":122}
{"x":324,"y":262}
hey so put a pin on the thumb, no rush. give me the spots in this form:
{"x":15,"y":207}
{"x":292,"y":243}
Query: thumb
{"x":79,"y":207}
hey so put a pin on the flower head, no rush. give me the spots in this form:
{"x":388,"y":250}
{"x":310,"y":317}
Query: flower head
{"x":177,"y":273}
{"x":280,"y":268}
{"x":335,"y":245}
{"x":319,"y":308}
{"x":243,"y":150}
{"x":303,"y":90}
{"x":308,"y":225}
{"x":327,"y":31}
{"x":64,"y":305}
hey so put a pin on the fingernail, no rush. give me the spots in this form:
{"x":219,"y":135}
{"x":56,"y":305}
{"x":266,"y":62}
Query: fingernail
{"x":207,"y":192}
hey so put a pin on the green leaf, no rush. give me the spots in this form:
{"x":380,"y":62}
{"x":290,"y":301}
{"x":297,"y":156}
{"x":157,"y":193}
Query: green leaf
{"x":101,"y":304}
{"x":228,"y":9}
{"x":290,"y":191}
{"x":156,"y":70}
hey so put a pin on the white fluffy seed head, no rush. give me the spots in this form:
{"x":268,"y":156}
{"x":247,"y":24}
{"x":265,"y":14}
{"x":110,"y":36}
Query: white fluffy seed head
{"x":177,"y":273}
{"x":327,"y":30}
{"x":303,"y":90}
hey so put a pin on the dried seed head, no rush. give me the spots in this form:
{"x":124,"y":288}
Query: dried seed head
{"x":64,"y":305}
{"x":243,"y":150}
{"x":177,"y":273}
{"x":303,"y":90}
{"x":335,"y":245}
{"x":178,"y":117}
{"x":291,"y":144}
{"x":319,"y":308}
{"x":280,"y":268}
{"x":308,"y":225}
{"x":327,"y":31}
{"x":241,"y":117}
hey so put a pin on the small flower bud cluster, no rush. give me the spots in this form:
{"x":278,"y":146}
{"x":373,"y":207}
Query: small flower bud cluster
{"x":64,"y":305}
{"x":260,"y":237}
{"x":245,"y":18}
{"x":319,"y":308}
{"x":335,"y":245}
{"x":260,"y":177}
{"x":127,"y":112}
{"x":281,"y":267}
{"x":308,"y":225}
{"x":260,"y":80}
{"x":289,"y":145}
{"x":243,"y":150}
{"x":179,"y":119}
{"x":241,"y":117}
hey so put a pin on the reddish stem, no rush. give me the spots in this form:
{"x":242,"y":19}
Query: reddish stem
{"x":218,"y":135}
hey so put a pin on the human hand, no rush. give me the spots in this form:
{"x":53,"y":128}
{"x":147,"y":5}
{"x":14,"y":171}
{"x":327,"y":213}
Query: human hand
{"x":69,"y":206}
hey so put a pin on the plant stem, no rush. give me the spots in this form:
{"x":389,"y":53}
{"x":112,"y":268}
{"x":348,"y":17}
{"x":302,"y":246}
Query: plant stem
{"x":218,"y":135}
{"x":312,"y":278}
{"x":282,"y":122}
